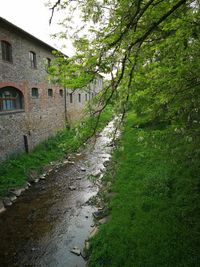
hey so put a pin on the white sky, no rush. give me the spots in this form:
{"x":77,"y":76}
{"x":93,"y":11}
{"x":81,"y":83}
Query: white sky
{"x":33,"y":17}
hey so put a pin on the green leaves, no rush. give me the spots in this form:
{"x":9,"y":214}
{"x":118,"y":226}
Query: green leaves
{"x":154,"y":211}
{"x":150,"y":48}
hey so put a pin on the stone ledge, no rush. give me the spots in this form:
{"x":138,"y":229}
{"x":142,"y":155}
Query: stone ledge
{"x":2,"y":113}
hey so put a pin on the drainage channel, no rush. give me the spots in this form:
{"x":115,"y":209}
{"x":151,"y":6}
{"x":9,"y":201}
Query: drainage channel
{"x":52,"y":217}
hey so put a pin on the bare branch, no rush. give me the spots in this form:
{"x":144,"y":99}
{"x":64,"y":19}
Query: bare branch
{"x":57,"y":3}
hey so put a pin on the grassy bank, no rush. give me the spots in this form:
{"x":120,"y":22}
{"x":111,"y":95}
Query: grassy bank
{"x":155,"y":213}
{"x":15,"y":172}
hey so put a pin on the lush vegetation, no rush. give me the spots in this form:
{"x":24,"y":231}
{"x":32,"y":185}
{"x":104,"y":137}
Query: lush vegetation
{"x":15,"y":171}
{"x":150,"y":48}
{"x":155,"y":218}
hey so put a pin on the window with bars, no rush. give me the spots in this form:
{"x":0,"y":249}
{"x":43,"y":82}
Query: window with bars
{"x":6,"y":49}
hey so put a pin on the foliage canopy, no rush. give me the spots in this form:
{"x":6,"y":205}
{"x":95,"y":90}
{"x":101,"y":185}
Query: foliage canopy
{"x":150,"y":49}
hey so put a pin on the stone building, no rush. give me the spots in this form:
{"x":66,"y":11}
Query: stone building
{"x":31,"y":108}
{"x":77,"y":100}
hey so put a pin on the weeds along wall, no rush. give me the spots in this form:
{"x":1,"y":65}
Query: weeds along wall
{"x":31,"y":107}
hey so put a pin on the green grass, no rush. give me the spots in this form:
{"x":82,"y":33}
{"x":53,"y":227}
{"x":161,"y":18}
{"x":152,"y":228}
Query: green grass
{"x":156,"y":210}
{"x":15,"y":171}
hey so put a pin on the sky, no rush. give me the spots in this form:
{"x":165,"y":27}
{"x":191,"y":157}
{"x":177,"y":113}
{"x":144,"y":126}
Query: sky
{"x":33,"y":16}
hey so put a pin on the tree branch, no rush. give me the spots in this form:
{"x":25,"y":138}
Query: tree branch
{"x":57,"y":3}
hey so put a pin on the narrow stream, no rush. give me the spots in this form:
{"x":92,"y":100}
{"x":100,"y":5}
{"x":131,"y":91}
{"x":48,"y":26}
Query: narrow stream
{"x":50,"y":218}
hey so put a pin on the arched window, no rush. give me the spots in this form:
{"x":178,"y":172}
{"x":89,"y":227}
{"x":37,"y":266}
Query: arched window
{"x":10,"y":99}
{"x":6,"y":49}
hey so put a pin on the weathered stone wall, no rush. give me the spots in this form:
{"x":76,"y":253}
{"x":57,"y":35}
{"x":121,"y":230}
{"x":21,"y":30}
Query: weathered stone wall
{"x":40,"y":117}
{"x":12,"y":129}
{"x":76,"y":108}
{"x":20,"y":69}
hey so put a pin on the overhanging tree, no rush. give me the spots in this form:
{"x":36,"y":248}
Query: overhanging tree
{"x":149,"y":48}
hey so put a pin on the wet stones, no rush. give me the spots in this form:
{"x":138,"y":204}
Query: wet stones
{"x":84,"y":252}
{"x":32,"y":176}
{"x":76,"y":251}
{"x":65,"y":162}
{"x":49,"y":171}
{"x":13,"y":198}
{"x":99,"y":135}
{"x":7,"y":202}
{"x":96,"y":173}
{"x":43,"y":176}
{"x":71,"y":157}
{"x":31,"y":179}
{"x":102,"y":167}
{"x":99,"y":214}
{"x":17,"y":192}
{"x":2,"y":207}
{"x":68,"y":162}
{"x":26,"y":187}
{"x":72,"y":187}
{"x":14,"y":193}
{"x":103,"y":220}
{"x":87,"y":245}
{"x":111,"y":145}
{"x":94,"y":231}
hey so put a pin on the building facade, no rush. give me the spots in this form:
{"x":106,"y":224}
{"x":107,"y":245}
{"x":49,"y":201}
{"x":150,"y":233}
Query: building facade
{"x":77,"y":101}
{"x":31,"y":108}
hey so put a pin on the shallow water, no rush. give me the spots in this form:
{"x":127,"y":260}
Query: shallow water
{"x":49,"y":219}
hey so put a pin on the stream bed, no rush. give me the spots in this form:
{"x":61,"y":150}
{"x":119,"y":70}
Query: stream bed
{"x":52,"y":216}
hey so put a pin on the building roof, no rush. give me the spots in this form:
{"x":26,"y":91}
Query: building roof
{"x":26,"y":34}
